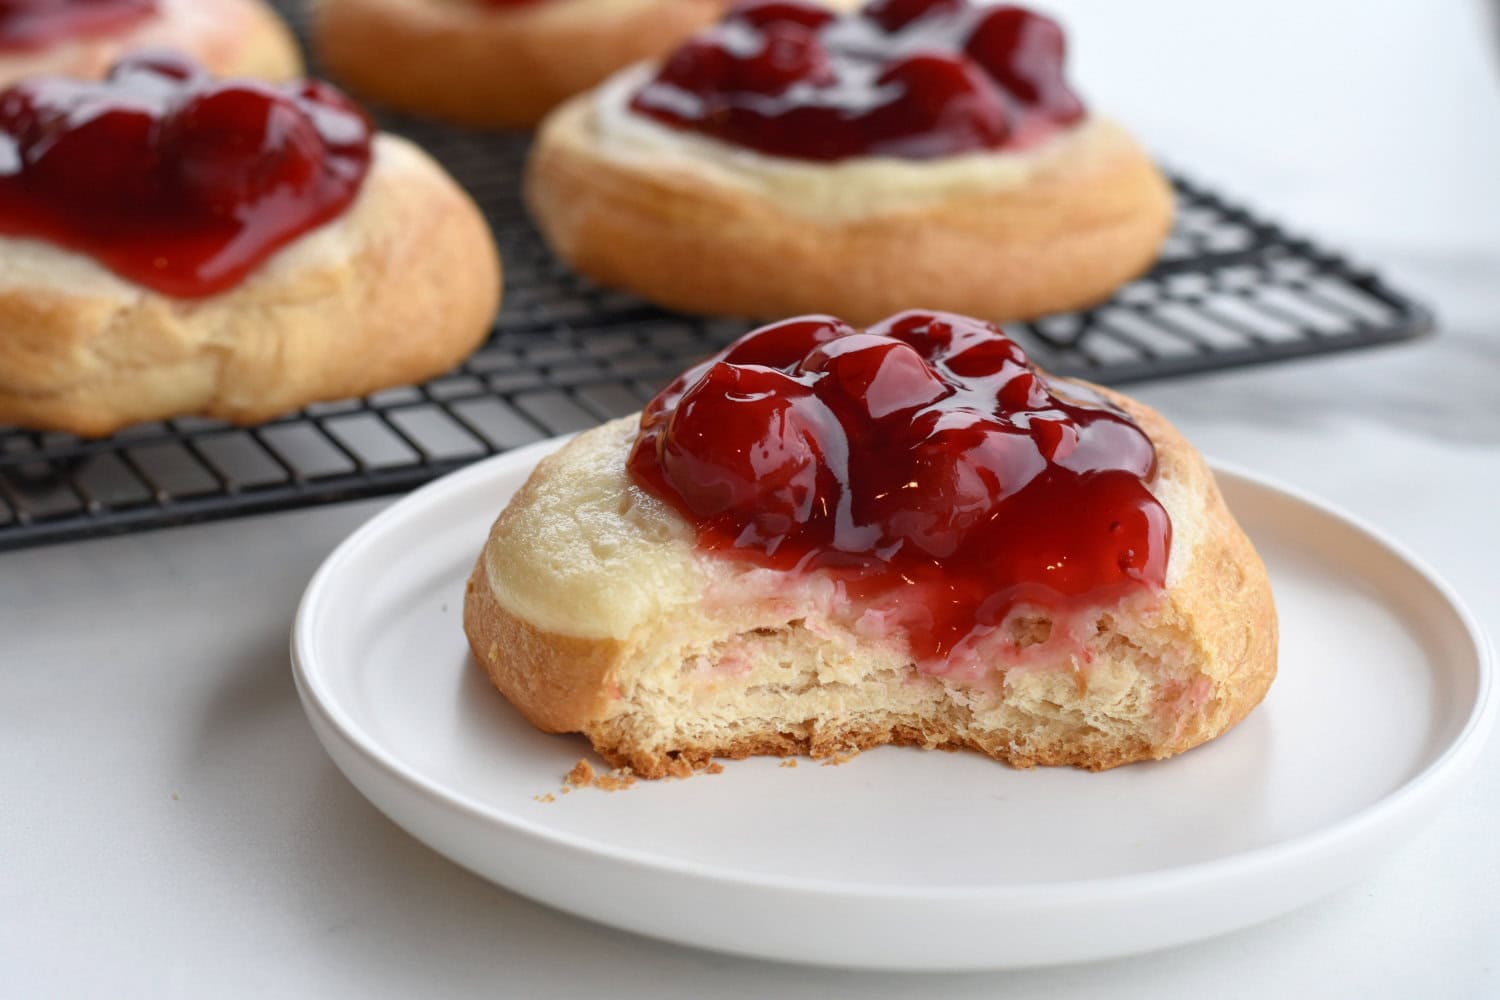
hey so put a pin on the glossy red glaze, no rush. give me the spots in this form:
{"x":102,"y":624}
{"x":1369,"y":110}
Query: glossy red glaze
{"x":35,"y":24}
{"x":924,"y":462}
{"x":174,"y":180}
{"x":911,"y":78}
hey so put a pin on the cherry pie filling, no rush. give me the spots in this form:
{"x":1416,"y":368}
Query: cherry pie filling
{"x":918,"y":79}
{"x":172,"y":179}
{"x":923,"y":463}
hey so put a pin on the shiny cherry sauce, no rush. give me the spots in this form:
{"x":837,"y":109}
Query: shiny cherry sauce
{"x":35,"y":24}
{"x":908,"y":78}
{"x":172,"y":179}
{"x":924,"y":463}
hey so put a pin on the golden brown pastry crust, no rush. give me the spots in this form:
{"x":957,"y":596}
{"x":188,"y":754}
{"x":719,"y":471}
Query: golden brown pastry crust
{"x":492,"y":68}
{"x":1220,"y":610}
{"x":558,"y":682}
{"x":227,"y":37}
{"x":401,"y":287}
{"x":1065,"y":239}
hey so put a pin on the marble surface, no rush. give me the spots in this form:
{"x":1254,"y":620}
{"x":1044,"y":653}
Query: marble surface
{"x":170,"y":827}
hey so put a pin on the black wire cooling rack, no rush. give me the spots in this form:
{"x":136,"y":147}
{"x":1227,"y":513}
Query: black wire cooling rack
{"x":1230,"y":289}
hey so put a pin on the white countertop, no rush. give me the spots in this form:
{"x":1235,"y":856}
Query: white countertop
{"x":169,"y":826}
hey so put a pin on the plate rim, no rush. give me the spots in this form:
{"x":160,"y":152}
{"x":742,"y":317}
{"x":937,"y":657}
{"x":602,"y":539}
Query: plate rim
{"x":1460,"y":753}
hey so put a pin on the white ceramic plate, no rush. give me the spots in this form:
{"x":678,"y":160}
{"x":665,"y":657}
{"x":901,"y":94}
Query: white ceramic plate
{"x":899,"y":858}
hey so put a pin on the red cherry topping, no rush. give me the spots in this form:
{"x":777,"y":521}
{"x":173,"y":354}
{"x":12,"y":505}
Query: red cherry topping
{"x":1025,"y":52}
{"x":789,"y":54}
{"x":875,"y":375}
{"x":894,"y":15}
{"x":923,"y":463}
{"x":35,"y":24}
{"x":763,"y":13}
{"x":768,"y":483}
{"x":172,"y":179}
{"x":236,"y":144}
{"x":790,"y":338}
{"x":918,"y":79}
{"x":945,"y":100}
{"x":699,"y":68}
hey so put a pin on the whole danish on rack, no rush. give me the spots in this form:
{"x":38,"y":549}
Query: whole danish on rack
{"x":496,"y":63}
{"x":83,"y":38}
{"x":791,"y":160}
{"x":172,"y":245}
{"x":823,"y":540}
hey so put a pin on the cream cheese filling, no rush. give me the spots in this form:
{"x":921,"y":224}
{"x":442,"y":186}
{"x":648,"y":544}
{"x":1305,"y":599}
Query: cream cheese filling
{"x":593,"y":556}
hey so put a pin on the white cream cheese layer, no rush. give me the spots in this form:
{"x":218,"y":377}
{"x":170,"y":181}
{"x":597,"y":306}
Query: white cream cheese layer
{"x":593,"y":556}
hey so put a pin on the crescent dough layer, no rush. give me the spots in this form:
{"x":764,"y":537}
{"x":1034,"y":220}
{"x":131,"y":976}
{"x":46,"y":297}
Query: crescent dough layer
{"x":592,"y":611}
{"x":399,"y":288}
{"x":458,"y":61}
{"x":228,"y":37}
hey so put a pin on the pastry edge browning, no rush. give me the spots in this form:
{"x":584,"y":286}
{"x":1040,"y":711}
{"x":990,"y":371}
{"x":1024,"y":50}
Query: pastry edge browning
{"x":1221,"y":606}
{"x":1065,"y":239}
{"x":491,"y":68}
{"x":408,"y":290}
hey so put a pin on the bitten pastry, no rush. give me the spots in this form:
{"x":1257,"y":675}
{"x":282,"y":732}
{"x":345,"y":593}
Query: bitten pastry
{"x":790,"y":160}
{"x":193,"y":246}
{"x":83,"y":38}
{"x":823,"y":540}
{"x":496,"y":63}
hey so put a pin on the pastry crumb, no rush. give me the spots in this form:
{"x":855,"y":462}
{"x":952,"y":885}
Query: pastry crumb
{"x":544,"y":798}
{"x":840,"y":758}
{"x":582,"y":774}
{"x":789,"y":762}
{"x":617,"y":780}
